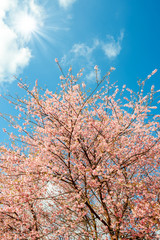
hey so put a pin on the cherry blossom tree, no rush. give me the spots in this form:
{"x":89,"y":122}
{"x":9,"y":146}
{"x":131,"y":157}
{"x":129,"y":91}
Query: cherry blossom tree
{"x":84,"y":165}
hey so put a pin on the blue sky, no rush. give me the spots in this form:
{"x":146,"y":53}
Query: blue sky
{"x":124,"y":34}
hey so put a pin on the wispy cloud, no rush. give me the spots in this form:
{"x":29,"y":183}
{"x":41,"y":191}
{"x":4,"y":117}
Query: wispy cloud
{"x":81,"y":49}
{"x":84,"y":54}
{"x":66,"y":3}
{"x":112,"y":47}
{"x":15,"y":54}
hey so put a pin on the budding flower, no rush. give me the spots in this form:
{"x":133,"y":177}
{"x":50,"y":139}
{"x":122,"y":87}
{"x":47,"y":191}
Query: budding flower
{"x":61,"y":77}
{"x":112,"y":69}
{"x":149,"y":76}
{"x":96,"y":67}
{"x":153,"y":72}
{"x":83,"y":84}
{"x":152,"y":88}
{"x":56,"y":60}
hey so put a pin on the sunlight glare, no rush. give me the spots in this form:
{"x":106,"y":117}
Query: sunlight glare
{"x":26,"y":25}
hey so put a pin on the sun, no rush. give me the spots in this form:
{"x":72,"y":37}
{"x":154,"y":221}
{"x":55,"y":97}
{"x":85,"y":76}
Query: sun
{"x":26,"y":25}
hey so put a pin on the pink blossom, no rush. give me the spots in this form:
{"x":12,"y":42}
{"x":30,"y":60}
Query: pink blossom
{"x":83,"y":153}
{"x":112,"y":69}
{"x":152,"y":88}
{"x":153,"y":72}
{"x":83,"y":85}
{"x":62,"y":77}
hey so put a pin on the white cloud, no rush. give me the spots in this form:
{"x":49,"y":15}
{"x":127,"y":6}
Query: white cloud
{"x":15,"y":54}
{"x":66,"y":3}
{"x":6,"y":6}
{"x":112,"y":48}
{"x":80,"y":52}
{"x":12,"y":57}
{"x":81,"y":49}
{"x":82,"y":55}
